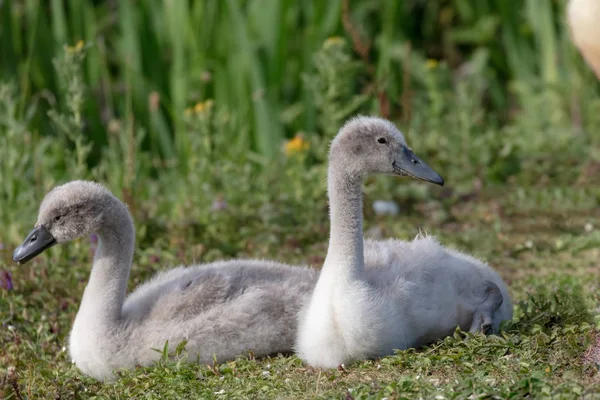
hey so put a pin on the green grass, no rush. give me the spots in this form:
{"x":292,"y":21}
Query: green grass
{"x":251,"y":56}
{"x":511,"y":125}
{"x":541,"y":353}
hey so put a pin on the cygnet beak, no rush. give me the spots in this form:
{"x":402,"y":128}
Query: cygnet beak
{"x":38,"y":240}
{"x":408,"y":164}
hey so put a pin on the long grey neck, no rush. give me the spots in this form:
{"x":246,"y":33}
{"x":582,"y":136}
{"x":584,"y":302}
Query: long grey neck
{"x":105,"y":293}
{"x":345,"y":254}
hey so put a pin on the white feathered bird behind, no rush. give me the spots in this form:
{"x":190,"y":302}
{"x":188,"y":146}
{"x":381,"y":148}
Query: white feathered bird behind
{"x":584,"y":21}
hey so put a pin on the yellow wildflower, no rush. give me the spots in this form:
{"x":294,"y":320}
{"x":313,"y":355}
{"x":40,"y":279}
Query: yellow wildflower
{"x":203,"y":106}
{"x":199,"y":107}
{"x":297,"y":145}
{"x":332,"y":41}
{"x":77,"y":48}
{"x":431,"y":63}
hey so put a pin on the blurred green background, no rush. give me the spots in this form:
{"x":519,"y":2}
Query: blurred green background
{"x":152,"y":59}
{"x":212,"y":119}
{"x":196,"y":100}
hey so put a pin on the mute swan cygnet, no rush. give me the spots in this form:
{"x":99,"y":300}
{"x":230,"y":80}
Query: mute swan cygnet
{"x":410,"y":293}
{"x":222,"y":309}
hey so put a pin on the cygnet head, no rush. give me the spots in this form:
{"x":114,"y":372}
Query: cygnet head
{"x":69,"y":211}
{"x":366,"y":145}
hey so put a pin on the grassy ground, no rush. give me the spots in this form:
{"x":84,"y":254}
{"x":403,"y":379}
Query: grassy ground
{"x":512,"y":125}
{"x":549,"y":257}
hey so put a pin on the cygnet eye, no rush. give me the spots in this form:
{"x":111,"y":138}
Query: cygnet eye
{"x":58,"y":218}
{"x":382,"y":140}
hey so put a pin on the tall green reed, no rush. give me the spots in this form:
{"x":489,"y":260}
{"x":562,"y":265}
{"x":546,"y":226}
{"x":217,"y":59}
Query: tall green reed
{"x":250,"y":56}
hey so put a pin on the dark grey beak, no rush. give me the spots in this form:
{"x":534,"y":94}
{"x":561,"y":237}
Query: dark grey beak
{"x":35,"y":243}
{"x":407,"y":163}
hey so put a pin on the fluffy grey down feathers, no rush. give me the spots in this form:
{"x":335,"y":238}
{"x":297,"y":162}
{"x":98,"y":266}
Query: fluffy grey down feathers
{"x":223,"y":309}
